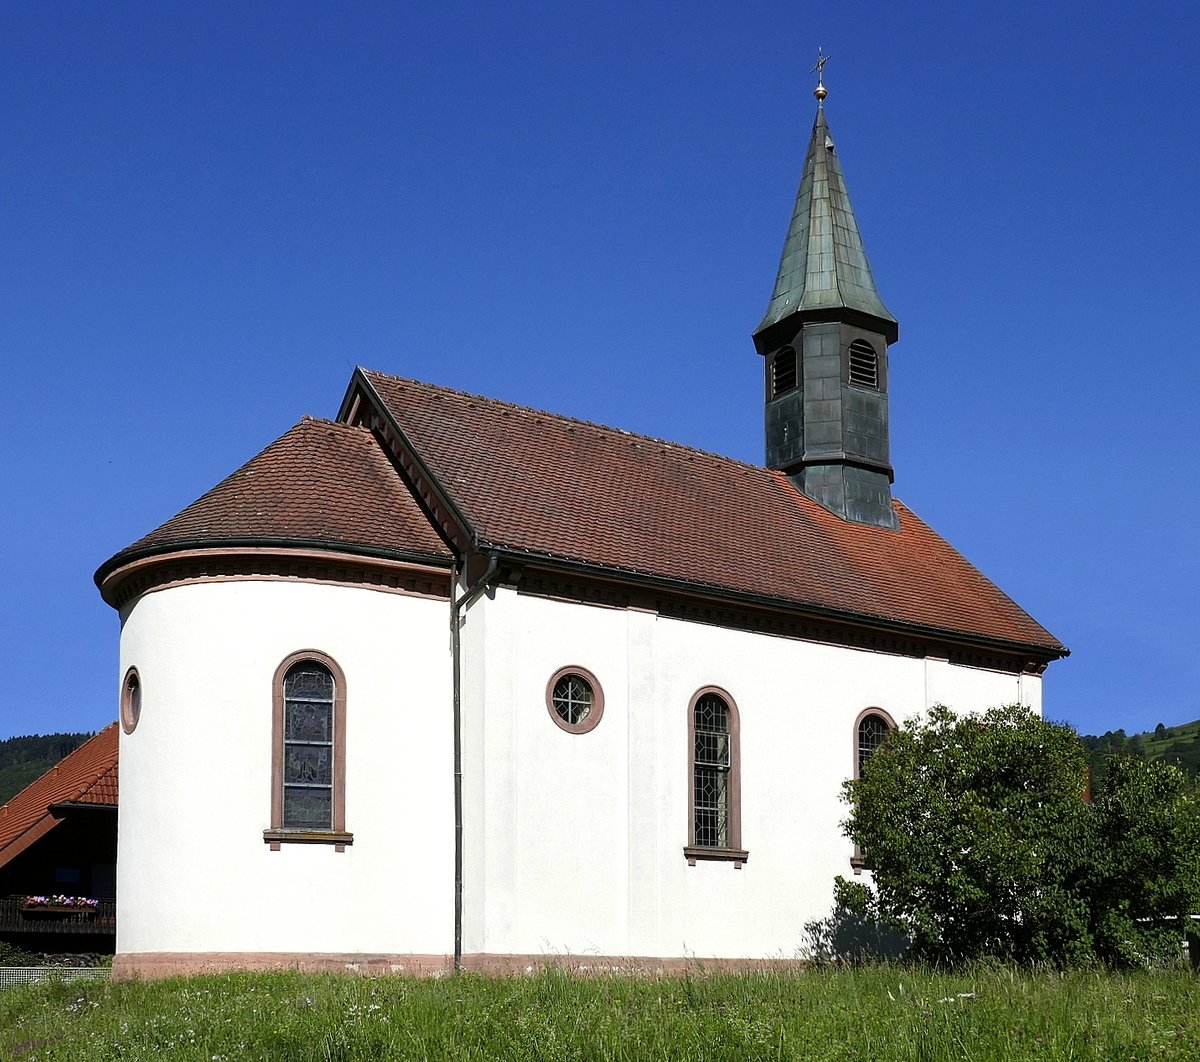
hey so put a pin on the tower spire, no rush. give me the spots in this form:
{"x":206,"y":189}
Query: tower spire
{"x":824,"y":338}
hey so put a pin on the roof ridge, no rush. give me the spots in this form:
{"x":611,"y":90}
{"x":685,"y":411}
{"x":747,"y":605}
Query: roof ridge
{"x":325,"y":422}
{"x":566,"y":418}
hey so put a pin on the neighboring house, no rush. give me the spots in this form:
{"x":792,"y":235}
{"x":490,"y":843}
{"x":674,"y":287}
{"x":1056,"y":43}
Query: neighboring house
{"x":58,"y":837}
{"x":453,"y":681}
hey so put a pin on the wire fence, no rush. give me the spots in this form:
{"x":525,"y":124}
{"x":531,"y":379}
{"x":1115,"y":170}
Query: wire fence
{"x":29,"y":975}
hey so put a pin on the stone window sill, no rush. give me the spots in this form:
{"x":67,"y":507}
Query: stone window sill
{"x":338,"y":838}
{"x":736,"y":856}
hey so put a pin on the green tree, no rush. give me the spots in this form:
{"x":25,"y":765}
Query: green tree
{"x":1144,"y":880}
{"x":24,"y":758}
{"x":981,"y":844}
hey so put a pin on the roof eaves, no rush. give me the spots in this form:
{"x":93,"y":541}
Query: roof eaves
{"x":80,"y":805}
{"x":126,"y":558}
{"x":1038,"y":650}
{"x":129,"y":556}
{"x":35,"y":831}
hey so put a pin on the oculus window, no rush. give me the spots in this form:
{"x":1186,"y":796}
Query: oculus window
{"x":574,"y":700}
{"x":131,"y":700}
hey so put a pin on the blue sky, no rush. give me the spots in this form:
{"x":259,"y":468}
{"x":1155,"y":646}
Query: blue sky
{"x":212,"y":212}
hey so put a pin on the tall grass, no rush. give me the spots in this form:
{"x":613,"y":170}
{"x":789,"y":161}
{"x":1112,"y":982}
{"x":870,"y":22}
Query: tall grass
{"x":876,"y":1013}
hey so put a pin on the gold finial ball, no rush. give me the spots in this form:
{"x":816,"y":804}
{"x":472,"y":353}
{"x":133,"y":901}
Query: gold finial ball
{"x":820,"y":92}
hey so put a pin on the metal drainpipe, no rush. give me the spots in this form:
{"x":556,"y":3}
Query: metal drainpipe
{"x":457,"y":607}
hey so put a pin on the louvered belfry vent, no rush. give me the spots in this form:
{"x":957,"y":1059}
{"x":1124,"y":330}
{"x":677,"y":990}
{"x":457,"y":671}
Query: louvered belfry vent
{"x":783,"y":372}
{"x":864,"y":364}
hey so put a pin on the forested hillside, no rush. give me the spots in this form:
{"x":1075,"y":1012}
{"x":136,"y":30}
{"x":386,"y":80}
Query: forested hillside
{"x":22,"y":759}
{"x":1179,"y":745}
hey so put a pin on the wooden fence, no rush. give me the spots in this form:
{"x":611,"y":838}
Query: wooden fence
{"x":16,"y":917}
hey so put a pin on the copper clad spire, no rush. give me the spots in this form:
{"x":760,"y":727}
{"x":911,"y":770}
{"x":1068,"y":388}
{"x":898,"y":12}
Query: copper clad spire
{"x":824,"y":266}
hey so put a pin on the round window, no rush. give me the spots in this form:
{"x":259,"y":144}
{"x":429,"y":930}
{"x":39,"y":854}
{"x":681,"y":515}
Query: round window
{"x":131,"y":700}
{"x":574,"y":699}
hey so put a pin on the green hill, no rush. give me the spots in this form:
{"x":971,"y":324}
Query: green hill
{"x":22,"y":759}
{"x":1179,"y":745}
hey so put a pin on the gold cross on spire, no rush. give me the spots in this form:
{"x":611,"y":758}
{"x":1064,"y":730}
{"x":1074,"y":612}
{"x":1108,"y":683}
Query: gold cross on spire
{"x":820,"y":91}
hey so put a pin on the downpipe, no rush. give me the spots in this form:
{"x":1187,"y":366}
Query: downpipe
{"x":458,"y":609}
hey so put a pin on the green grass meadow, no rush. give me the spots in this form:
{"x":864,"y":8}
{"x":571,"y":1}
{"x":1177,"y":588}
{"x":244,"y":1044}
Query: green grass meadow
{"x":874,"y":1013}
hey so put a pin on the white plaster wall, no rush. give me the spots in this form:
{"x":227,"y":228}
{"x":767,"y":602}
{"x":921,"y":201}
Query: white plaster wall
{"x":544,"y":810}
{"x":574,"y":843}
{"x":194,"y":874}
{"x":967,"y":689}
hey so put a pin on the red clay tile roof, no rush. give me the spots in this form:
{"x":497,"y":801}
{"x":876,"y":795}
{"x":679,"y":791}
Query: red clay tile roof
{"x":321,"y":482}
{"x":553,"y":486}
{"x":89,"y":775}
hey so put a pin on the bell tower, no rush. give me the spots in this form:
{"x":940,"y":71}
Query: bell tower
{"x":824,"y":343}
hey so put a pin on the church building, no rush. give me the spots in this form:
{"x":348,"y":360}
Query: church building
{"x":453,"y":683}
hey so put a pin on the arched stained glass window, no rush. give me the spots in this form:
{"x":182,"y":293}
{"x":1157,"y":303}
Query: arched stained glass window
{"x":715,"y":775}
{"x":308,"y":747}
{"x":711,"y":772}
{"x":308,"y":773}
{"x":872,"y":729}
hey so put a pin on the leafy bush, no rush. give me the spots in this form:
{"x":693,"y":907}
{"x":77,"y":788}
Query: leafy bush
{"x":11,"y":955}
{"x":982,"y":844}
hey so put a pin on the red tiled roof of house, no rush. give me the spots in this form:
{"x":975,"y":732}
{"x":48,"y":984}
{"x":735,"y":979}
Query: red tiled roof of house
{"x":549,"y":485}
{"x":89,"y":775}
{"x":102,"y":790}
{"x":319,"y":483}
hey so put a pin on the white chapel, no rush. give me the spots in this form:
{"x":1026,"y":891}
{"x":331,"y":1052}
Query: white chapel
{"x":452,"y":683}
